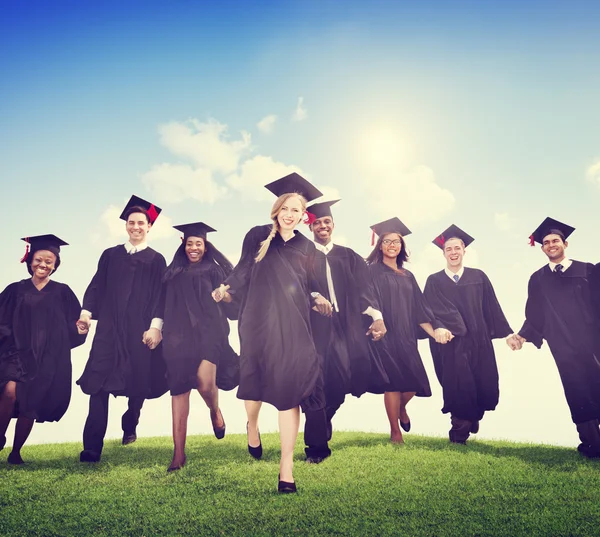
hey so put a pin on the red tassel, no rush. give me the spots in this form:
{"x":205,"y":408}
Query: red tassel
{"x":531,"y":240}
{"x":373,"y":238}
{"x":440,"y":241}
{"x":152,"y":214}
{"x":182,"y":238}
{"x":309,"y":218}
{"x":24,"y":258}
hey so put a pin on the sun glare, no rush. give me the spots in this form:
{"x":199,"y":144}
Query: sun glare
{"x":383,"y":150}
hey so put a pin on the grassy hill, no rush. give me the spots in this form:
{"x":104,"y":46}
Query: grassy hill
{"x":368,"y":487}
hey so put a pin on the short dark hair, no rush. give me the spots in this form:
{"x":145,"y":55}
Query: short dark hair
{"x":136,"y":209}
{"x":554,"y":232}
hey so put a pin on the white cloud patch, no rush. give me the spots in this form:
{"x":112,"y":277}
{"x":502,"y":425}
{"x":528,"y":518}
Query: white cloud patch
{"x":205,"y":144}
{"x":267,"y":124}
{"x":593,"y":173}
{"x":414,"y":194}
{"x":329,"y":193}
{"x":503,"y":221}
{"x":173,"y":183}
{"x":257,"y":172}
{"x":300,"y":113}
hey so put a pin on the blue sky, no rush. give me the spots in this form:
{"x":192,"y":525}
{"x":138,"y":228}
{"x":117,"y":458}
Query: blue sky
{"x":483,"y":114}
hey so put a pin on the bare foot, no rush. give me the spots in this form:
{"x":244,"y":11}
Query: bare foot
{"x":176,"y":464}
{"x":396,"y":437}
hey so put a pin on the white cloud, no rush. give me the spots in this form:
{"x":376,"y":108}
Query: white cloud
{"x":172,"y":183}
{"x":593,"y":173}
{"x":267,"y":124}
{"x":503,"y":221}
{"x":257,"y":172}
{"x":300,"y":113}
{"x":205,"y":144}
{"x":329,"y":193}
{"x":414,"y":196}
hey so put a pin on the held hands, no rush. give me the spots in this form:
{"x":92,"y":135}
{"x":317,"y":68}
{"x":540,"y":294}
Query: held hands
{"x":377,"y":330}
{"x":83,"y":324}
{"x":515,"y":342}
{"x":442,"y":336}
{"x":323,"y":306}
{"x":152,"y":337}
{"x":220,"y":293}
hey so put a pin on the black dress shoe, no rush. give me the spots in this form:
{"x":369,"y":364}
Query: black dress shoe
{"x":588,"y":451}
{"x":256,"y":452}
{"x":129,"y":438}
{"x":475,"y":427}
{"x":285,"y":488}
{"x":219,"y":431}
{"x":15,"y":458}
{"x":405,"y":426}
{"x":87,"y":455}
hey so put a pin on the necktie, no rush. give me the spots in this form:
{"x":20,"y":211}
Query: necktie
{"x":133,"y":251}
{"x":456,"y":277}
{"x":558,"y":268}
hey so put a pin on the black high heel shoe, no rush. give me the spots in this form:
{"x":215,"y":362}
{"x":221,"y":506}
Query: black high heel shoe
{"x":257,"y":451}
{"x":284,"y":487}
{"x":219,"y":431}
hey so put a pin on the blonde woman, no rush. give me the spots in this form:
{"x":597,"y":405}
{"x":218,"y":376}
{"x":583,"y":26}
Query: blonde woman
{"x":275,"y":286}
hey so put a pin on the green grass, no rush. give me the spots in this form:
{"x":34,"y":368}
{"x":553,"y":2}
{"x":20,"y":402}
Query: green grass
{"x":367,"y":487}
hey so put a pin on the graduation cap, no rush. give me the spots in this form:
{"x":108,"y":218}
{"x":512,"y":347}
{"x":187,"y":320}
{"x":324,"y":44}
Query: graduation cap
{"x":195,"y":229}
{"x":150,"y":209}
{"x":294,"y":183}
{"x":43,"y":242}
{"x":320,"y":210}
{"x":393,"y":225}
{"x":453,"y":232}
{"x":548,"y":226}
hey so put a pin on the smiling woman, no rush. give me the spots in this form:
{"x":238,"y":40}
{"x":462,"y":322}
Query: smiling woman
{"x":37,"y":332}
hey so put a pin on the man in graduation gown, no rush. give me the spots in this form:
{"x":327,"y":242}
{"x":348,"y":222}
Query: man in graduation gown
{"x":464,"y":303}
{"x":560,"y":310}
{"x":341,"y":340}
{"x":124,"y":297}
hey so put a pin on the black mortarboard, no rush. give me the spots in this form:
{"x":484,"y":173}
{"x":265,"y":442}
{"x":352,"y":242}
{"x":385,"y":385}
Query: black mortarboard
{"x":294,"y":183}
{"x":320,"y":210}
{"x":42,"y":242}
{"x":393,"y":225}
{"x":549,"y":225}
{"x":196,"y":229}
{"x":453,"y":232}
{"x":152,"y":210}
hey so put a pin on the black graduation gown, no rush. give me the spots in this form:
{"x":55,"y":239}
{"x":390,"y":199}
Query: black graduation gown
{"x":466,"y":366}
{"x":124,"y":296}
{"x":341,"y":340}
{"x":559,"y":309}
{"x":278,"y":361}
{"x":196,"y":328}
{"x":404,"y":309}
{"x":37,"y":333}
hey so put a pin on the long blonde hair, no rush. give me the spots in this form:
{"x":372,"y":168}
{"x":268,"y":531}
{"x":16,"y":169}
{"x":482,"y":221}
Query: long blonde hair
{"x":264,"y":245}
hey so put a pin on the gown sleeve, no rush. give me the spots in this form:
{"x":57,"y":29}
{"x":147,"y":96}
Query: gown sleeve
{"x":423,"y":313}
{"x":94,"y":289}
{"x":156,"y":304}
{"x":364,"y":284}
{"x":7,"y":308}
{"x":72,"y":309}
{"x":239,"y":278}
{"x":533,"y":326}
{"x":446,"y":314}
{"x":231,"y":309}
{"x":494,"y":316}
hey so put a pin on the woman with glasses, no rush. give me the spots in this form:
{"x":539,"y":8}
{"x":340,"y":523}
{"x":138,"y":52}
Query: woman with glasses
{"x":404,"y":311}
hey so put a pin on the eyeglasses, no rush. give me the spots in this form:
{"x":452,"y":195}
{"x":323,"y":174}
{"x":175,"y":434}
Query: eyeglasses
{"x":395,"y":242}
